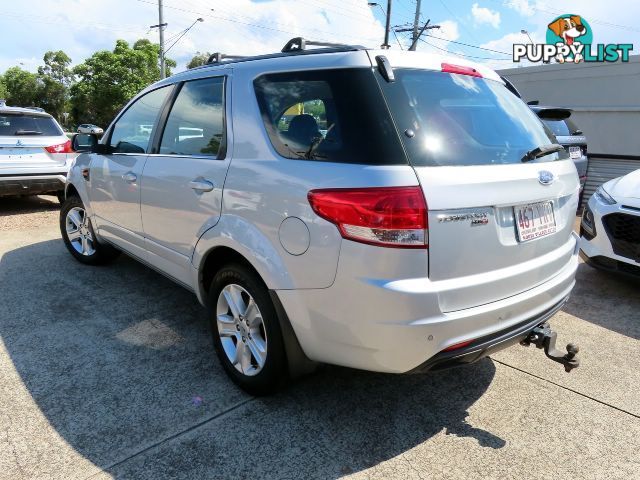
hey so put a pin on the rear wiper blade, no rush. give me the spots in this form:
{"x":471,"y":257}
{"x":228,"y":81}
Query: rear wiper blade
{"x":541,"y":151}
{"x":27,"y":132}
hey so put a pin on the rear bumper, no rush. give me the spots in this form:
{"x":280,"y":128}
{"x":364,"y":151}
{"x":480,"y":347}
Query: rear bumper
{"x":398,"y":326}
{"x":31,"y":184}
{"x":485,"y":346}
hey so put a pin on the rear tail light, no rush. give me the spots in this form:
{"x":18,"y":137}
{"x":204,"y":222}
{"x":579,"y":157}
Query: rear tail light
{"x":460,"y":69}
{"x":383,"y":216}
{"x":60,"y":148}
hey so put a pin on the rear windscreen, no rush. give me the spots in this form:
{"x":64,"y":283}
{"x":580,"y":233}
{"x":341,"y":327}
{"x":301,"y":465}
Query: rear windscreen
{"x":561,"y":128}
{"x":454,"y":119}
{"x":18,"y":124}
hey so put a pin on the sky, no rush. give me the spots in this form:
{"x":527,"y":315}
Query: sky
{"x":247,"y":27}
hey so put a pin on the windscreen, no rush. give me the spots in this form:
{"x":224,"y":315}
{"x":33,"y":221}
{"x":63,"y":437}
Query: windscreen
{"x":454,"y":119}
{"x":18,"y":124}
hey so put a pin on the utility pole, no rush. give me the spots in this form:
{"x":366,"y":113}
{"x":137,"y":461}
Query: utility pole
{"x":161,"y":26}
{"x":416,"y":23}
{"x":414,"y":43}
{"x":386,"y":45}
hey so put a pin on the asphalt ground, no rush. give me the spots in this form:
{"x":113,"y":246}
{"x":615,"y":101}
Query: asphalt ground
{"x":109,"y":372}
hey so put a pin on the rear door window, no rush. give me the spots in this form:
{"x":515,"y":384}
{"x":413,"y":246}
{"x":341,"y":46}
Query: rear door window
{"x":328,"y":115}
{"x":455,"y":119}
{"x":195,"y":125}
{"x":18,"y":124}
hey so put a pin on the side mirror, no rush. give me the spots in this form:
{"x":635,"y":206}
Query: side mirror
{"x":84,"y":142}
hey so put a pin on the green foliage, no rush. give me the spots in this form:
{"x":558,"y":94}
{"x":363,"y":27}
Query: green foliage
{"x":22,"y":87}
{"x":3,"y":88}
{"x":94,"y":91}
{"x":55,"y":78}
{"x":198,"y":60}
{"x":108,"y":79}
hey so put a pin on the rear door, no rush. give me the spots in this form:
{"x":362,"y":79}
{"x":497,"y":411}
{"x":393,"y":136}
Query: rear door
{"x":115,"y":176}
{"x":183,"y":178}
{"x":500,"y":220}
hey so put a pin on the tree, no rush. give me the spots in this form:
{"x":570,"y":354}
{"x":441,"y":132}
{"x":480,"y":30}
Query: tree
{"x":198,"y":60}
{"x":22,"y":87}
{"x":3,"y":88}
{"x":108,"y":79}
{"x":54,"y":80}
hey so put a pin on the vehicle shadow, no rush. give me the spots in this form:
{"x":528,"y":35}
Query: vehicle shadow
{"x":118,"y":359}
{"x":29,"y":204}
{"x":595,"y":288}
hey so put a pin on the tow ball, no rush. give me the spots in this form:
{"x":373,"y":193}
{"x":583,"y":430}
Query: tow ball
{"x":543,"y":337}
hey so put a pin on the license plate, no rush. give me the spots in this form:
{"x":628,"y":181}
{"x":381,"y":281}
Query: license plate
{"x":575,"y":152}
{"x":534,"y":220}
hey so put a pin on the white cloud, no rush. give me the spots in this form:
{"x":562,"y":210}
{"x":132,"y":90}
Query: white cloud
{"x":523,"y":7}
{"x":482,"y":15}
{"x":448,"y":30}
{"x":243,"y":27}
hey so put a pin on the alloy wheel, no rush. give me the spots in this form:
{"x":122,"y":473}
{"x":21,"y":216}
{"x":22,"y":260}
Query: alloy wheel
{"x":241,"y":330}
{"x":79,"y":232}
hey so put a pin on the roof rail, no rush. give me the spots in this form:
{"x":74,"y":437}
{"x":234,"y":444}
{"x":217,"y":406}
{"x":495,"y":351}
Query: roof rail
{"x":218,"y":57}
{"x":300,"y":43}
{"x":3,"y":102}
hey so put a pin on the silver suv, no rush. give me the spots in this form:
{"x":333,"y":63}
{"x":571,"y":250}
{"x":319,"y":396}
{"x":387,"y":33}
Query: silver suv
{"x":381,"y":210}
{"x":35,"y":154}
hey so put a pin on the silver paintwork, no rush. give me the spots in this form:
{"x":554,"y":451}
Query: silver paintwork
{"x":349,"y":303}
{"x":241,"y":330}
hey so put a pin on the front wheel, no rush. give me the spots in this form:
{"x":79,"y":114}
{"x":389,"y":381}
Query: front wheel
{"x":79,"y":237}
{"x":246,"y":331}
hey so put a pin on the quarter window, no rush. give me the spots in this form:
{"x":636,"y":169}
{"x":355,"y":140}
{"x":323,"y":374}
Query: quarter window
{"x":132,"y":132}
{"x":195,"y":125}
{"x":328,"y":115}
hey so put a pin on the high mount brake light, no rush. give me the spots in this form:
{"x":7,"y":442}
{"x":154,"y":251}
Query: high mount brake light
{"x":382,"y":216}
{"x":462,"y":70}
{"x":60,"y":148}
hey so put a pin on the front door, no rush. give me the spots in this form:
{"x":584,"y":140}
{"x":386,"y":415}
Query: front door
{"x":182,"y":183}
{"x":115,"y":177}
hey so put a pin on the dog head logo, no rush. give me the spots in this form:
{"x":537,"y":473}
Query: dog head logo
{"x":569,"y":33}
{"x":568,"y":28}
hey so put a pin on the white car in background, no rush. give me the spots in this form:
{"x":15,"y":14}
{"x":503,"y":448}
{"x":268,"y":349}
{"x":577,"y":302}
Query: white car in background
{"x":35,"y":154}
{"x":610,"y":227}
{"x":90,"y":128}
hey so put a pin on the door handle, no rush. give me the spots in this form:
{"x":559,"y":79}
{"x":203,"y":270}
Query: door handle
{"x":129,"y":177}
{"x":201,"y":185}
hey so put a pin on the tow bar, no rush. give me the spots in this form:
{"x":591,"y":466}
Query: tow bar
{"x":543,"y":337}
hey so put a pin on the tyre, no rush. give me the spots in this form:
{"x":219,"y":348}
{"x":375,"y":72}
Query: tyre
{"x":60,"y":195}
{"x":246,"y":331}
{"x":79,"y":237}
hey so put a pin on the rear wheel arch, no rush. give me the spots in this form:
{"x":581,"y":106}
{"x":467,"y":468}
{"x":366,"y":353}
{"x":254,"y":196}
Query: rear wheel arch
{"x":217,"y":258}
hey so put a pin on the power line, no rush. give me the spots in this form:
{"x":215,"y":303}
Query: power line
{"x":469,"y":45}
{"x":256,"y":25}
{"x":464,"y":55}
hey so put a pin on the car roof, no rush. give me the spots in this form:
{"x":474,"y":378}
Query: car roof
{"x":537,"y":108}
{"x":327,"y":56}
{"x":31,"y":111}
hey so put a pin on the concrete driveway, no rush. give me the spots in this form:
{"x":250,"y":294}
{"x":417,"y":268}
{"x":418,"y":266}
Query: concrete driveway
{"x":109,"y":372}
